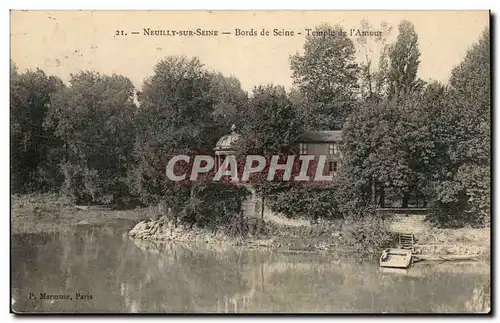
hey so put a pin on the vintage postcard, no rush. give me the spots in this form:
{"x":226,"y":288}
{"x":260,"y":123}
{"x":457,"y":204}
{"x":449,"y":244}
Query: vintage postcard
{"x":250,"y":162}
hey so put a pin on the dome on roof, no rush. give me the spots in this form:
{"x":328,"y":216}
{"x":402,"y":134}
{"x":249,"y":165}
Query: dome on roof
{"x":227,"y":142}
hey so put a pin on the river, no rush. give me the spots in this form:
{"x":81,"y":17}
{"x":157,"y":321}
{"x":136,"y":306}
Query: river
{"x":110,"y":272}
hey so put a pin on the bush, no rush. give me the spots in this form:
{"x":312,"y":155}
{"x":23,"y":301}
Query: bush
{"x":368,"y":235}
{"x":353,"y":203}
{"x":340,"y":200}
{"x":209,"y":204}
{"x":313,"y":203}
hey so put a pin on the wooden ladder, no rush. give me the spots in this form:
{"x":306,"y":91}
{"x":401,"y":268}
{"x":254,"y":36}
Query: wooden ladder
{"x":407,"y":241}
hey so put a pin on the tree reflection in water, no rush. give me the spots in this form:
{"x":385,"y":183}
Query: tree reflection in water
{"x":126,"y":275}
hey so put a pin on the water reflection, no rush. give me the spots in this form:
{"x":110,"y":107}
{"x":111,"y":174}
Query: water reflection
{"x":126,"y":275}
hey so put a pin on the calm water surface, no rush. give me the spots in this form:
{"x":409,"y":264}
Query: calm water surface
{"x":123,"y":275}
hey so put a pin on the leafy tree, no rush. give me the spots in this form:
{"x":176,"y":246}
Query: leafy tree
{"x":271,"y":125}
{"x":212,"y":204}
{"x":303,"y":110}
{"x":33,"y":158}
{"x":404,"y":58}
{"x":327,"y":75}
{"x":388,"y":145}
{"x":271,"y":128}
{"x":373,"y":76}
{"x":93,"y":118}
{"x":175,"y":117}
{"x":229,"y":100}
{"x":185,"y":109}
{"x":462,"y":189}
{"x":470,"y":92}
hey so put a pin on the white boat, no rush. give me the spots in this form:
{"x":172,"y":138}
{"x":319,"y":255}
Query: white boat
{"x":395,"y":258}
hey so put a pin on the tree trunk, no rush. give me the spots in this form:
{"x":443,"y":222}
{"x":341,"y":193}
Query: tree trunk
{"x":406,"y":198}
{"x":371,"y":185}
{"x":382,"y":197}
{"x":262,"y":208}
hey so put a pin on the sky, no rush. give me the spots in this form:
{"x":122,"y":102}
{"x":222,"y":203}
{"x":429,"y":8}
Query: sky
{"x":65,"y":42}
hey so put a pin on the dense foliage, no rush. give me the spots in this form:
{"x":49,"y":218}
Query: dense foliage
{"x":405,"y":142}
{"x":34,"y":149}
{"x":327,"y":76}
{"x":426,"y":143}
{"x":184,"y":109}
{"x":93,"y":119}
{"x":462,"y":191}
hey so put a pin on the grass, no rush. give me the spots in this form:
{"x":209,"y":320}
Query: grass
{"x":462,"y":241}
{"x":43,"y":213}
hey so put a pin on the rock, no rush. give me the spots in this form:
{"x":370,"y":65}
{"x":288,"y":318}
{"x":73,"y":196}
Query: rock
{"x":162,"y":236}
{"x":141,"y":226}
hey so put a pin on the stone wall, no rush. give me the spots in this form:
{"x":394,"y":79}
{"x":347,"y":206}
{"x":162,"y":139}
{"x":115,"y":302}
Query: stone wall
{"x":407,"y":223}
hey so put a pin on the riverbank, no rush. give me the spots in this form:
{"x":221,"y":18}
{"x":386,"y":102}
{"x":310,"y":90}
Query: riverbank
{"x":324,"y":238}
{"x":44,"y":213}
{"x":364,"y":238}
{"x":49,"y":213}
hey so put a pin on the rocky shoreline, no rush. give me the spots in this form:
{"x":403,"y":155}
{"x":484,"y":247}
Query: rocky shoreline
{"x":166,"y":230}
{"x":365,"y":238}
{"x":273,"y":236}
{"x":305,"y":239}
